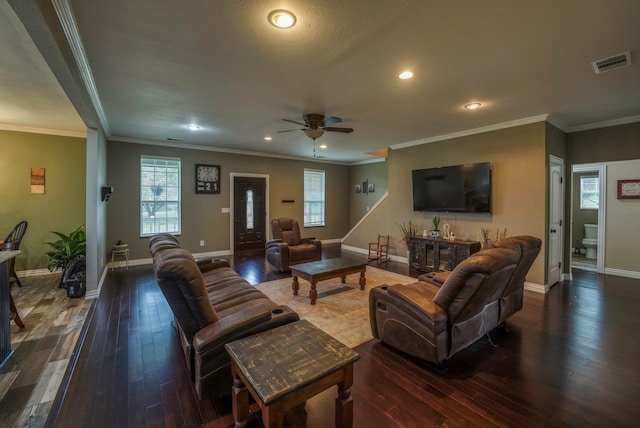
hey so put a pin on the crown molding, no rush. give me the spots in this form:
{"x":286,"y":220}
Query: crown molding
{"x":179,"y":145}
{"x":604,"y":124}
{"x":68,"y":23}
{"x":481,"y":130}
{"x":46,"y":131}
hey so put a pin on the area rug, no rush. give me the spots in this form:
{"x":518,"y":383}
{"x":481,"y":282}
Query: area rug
{"x":342,"y":310}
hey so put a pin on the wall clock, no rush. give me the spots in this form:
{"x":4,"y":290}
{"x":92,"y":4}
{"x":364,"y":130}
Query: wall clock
{"x":207,"y":179}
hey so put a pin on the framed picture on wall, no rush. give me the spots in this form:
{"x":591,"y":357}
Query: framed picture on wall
{"x":629,"y":189}
{"x":365,"y":187}
{"x":358,"y":188}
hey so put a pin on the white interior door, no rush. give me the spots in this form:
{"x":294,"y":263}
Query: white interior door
{"x":556,"y":214}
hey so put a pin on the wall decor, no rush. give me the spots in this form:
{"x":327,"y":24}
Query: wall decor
{"x":372,"y":188}
{"x":37,"y":181}
{"x":629,"y":189}
{"x":365,"y":187}
{"x":358,"y":188}
{"x":207,"y":179}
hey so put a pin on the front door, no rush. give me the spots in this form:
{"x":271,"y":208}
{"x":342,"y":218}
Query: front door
{"x":556,"y":202}
{"x":249,"y":213}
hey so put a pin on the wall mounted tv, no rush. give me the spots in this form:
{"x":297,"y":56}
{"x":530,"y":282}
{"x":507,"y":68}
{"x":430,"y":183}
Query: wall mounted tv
{"x":459,"y":188}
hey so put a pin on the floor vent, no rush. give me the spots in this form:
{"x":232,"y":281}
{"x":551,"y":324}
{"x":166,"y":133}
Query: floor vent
{"x":611,"y":63}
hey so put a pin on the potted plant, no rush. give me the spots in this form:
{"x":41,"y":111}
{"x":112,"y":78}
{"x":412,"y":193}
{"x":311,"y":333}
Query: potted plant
{"x":435,"y":232}
{"x":407,"y":231}
{"x":66,"y":248}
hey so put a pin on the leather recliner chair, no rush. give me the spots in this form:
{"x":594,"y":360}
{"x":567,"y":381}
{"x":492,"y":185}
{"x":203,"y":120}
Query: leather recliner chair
{"x":433,"y":323}
{"x":212,"y":305}
{"x":288,"y":248}
{"x":511,"y":300}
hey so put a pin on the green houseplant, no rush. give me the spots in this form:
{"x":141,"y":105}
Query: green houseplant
{"x":436,"y":223}
{"x":407,"y":231}
{"x":66,"y":248}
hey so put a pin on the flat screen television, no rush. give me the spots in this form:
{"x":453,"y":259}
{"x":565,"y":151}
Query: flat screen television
{"x":458,"y":188}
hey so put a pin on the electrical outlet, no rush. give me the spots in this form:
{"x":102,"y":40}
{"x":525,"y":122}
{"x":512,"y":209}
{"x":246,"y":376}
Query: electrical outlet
{"x":202,"y":243}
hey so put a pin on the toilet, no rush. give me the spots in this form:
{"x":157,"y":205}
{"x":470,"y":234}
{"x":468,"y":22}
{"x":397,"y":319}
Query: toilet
{"x":590,"y":241}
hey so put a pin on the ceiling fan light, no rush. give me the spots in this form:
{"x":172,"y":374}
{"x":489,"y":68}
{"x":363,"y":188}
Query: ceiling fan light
{"x":282,"y":19}
{"x":313,"y":133}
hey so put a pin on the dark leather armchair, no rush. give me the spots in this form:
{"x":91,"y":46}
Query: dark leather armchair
{"x":433,"y":323}
{"x":288,"y":248}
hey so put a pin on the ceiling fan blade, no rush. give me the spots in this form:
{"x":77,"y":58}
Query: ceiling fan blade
{"x":332,"y":129}
{"x":293,"y":121}
{"x":289,"y":130}
{"x":332,"y":121}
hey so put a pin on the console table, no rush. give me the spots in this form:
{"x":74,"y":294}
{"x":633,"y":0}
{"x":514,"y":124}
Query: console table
{"x":436,"y":254}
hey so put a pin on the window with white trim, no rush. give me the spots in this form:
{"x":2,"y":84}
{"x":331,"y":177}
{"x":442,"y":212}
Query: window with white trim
{"x":313,"y":198}
{"x":160,"y":208}
{"x":589,"y":192}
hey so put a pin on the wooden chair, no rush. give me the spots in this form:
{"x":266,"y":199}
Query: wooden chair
{"x":12,"y":242}
{"x":379,"y":251}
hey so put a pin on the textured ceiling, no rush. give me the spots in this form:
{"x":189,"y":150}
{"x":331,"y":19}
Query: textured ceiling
{"x":160,"y":65}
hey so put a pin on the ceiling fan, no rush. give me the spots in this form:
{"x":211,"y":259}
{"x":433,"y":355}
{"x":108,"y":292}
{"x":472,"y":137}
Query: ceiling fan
{"x":315,"y":125}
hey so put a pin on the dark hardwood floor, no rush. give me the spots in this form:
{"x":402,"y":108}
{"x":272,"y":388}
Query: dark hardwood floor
{"x":569,"y":358}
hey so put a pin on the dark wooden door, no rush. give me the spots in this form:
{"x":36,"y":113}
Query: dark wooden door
{"x":249,"y":213}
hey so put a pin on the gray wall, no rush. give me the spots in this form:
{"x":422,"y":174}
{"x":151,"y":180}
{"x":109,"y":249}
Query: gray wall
{"x":202,"y":217}
{"x":375,"y":173}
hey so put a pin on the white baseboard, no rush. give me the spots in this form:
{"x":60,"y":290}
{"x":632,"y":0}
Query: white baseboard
{"x":624,"y":273}
{"x":36,"y":272}
{"x":365,"y":252}
{"x":536,"y":288}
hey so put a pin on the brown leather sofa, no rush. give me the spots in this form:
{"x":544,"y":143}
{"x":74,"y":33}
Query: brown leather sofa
{"x":288,"y":248}
{"x":434,"y":322}
{"x":212,"y":305}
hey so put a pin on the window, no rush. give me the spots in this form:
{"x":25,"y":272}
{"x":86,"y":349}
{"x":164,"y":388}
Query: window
{"x":313,"y":198}
{"x":589,"y":192}
{"x":249,"y":208}
{"x":159,"y":195}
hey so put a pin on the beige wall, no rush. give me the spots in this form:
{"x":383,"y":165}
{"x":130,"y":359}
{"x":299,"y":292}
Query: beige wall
{"x":61,"y":208}
{"x":375,"y":173}
{"x":622,"y":220}
{"x":517,"y":157}
{"x":202,"y":218}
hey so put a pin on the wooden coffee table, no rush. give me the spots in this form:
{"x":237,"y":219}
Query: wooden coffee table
{"x":282,"y":368}
{"x":326,"y":269}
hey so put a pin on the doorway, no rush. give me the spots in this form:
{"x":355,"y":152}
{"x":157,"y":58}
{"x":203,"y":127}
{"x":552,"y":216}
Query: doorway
{"x":249,"y":214}
{"x":588,"y":207}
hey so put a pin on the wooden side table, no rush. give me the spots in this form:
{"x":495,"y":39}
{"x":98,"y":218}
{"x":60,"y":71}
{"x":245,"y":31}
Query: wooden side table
{"x":284,"y":367}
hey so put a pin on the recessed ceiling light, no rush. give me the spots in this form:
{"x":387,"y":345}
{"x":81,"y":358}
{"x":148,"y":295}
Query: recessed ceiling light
{"x":472,"y":106}
{"x":323,"y":146}
{"x":282,"y":18}
{"x":267,"y":138}
{"x":193,"y":127}
{"x":405,"y":75}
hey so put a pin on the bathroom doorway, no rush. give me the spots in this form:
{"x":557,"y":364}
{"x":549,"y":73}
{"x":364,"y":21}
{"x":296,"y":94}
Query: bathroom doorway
{"x":588,"y":207}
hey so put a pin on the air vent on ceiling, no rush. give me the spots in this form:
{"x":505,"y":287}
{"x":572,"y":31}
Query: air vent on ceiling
{"x":175,"y":139}
{"x":611,"y":63}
